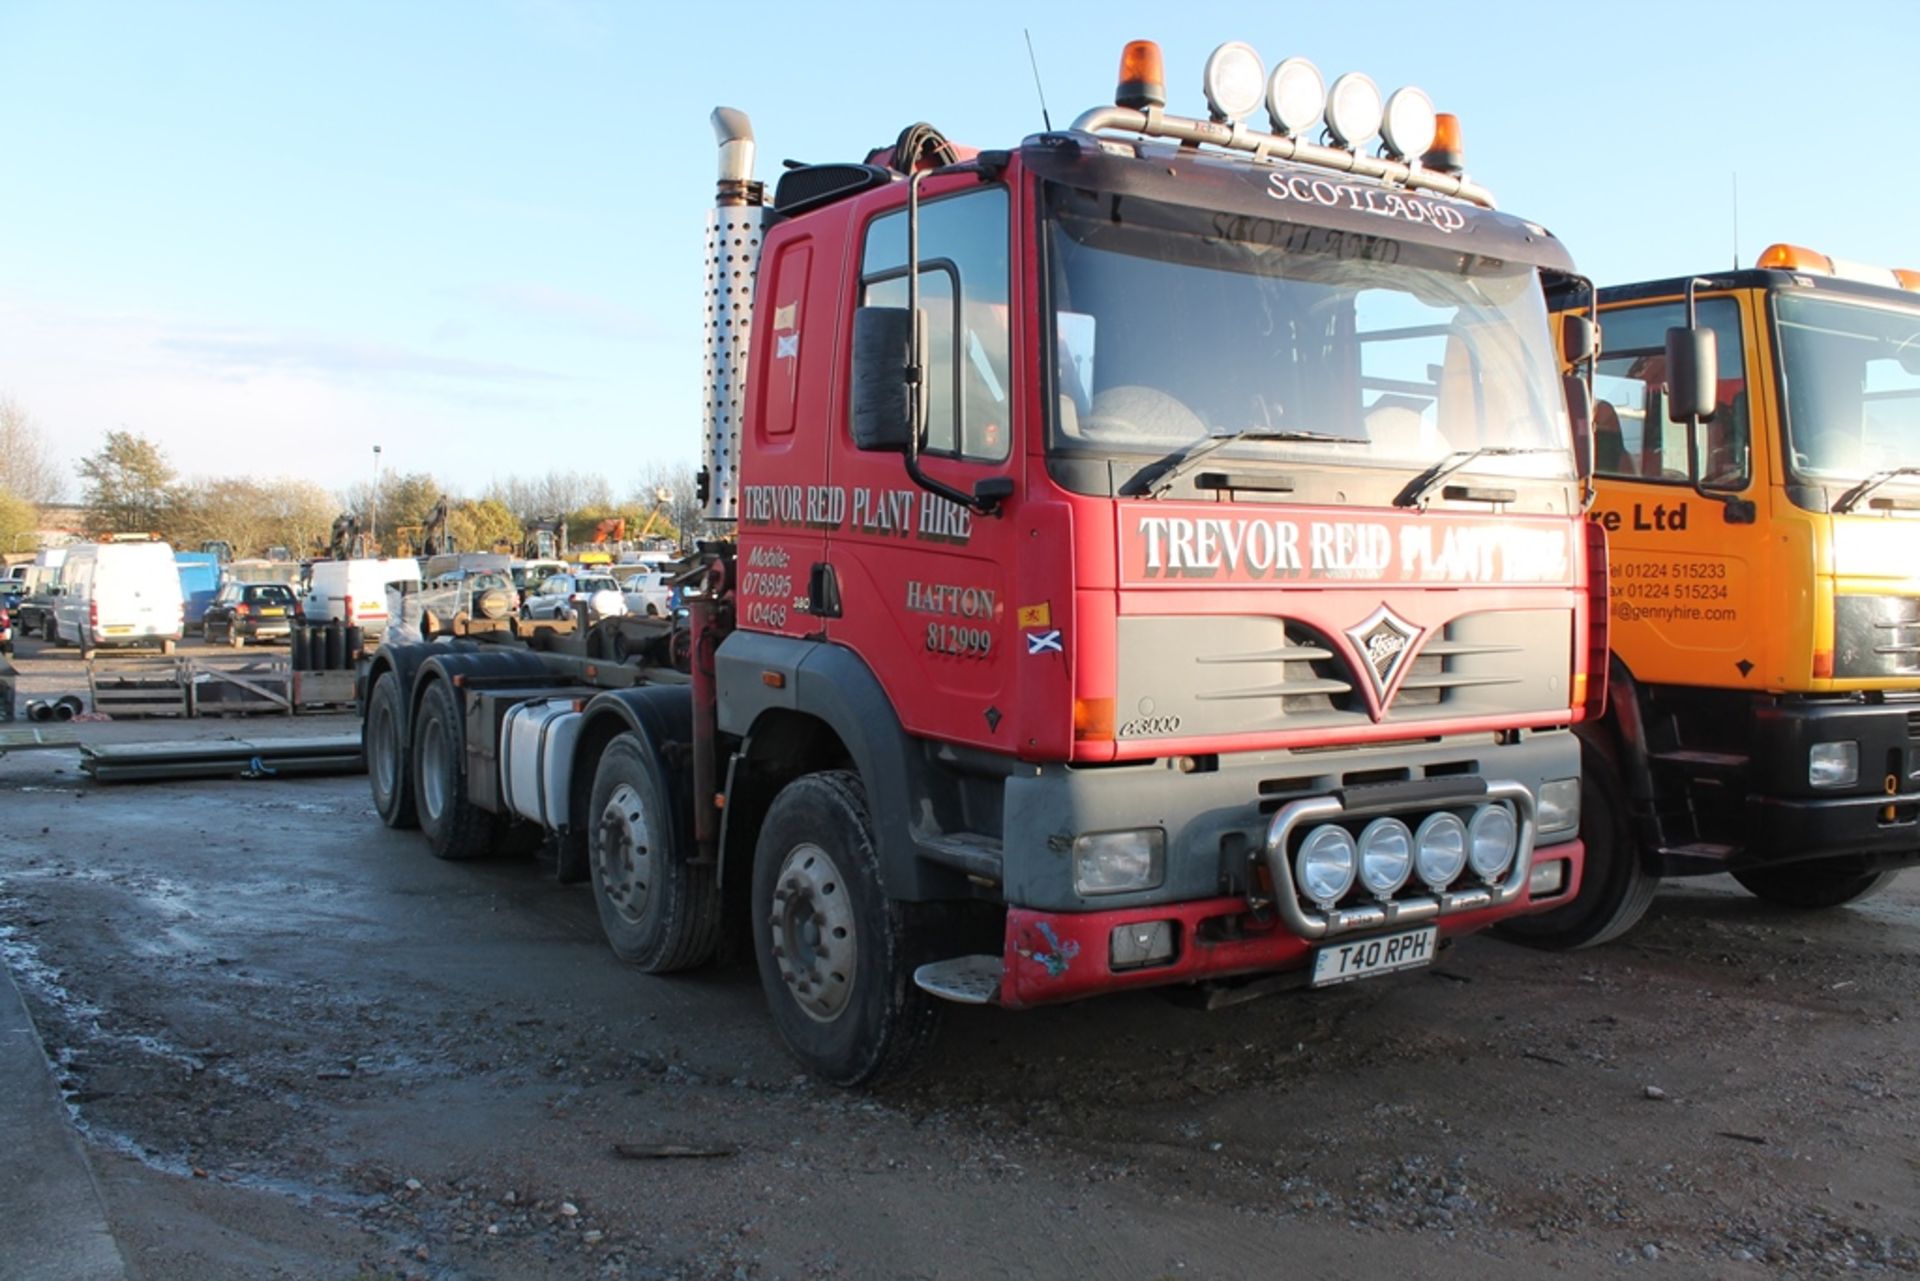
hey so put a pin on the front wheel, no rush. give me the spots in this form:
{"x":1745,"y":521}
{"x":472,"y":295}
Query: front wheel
{"x":659,"y":912}
{"x":386,"y":763}
{"x":1615,"y":888}
{"x":1811,"y":886}
{"x":835,"y":953}
{"x":455,"y":828}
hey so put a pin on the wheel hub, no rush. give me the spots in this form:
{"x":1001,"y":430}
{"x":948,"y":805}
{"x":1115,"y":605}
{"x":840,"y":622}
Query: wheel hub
{"x":814,"y":940}
{"x":623,"y":854}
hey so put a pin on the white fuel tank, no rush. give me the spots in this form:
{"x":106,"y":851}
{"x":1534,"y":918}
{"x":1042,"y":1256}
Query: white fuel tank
{"x":536,"y":750}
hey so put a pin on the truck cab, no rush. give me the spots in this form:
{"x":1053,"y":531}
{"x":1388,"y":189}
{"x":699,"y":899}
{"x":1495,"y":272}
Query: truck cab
{"x":1764,"y":714}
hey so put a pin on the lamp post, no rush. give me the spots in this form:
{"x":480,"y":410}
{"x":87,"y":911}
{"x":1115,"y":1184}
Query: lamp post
{"x":373,"y":517}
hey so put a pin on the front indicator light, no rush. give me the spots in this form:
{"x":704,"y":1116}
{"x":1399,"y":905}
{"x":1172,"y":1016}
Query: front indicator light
{"x":1324,"y":866}
{"x":1130,"y":947}
{"x":1118,"y":862}
{"x":1559,"y":805}
{"x":1547,"y":879}
{"x":1492,"y":840}
{"x":1833,"y":764}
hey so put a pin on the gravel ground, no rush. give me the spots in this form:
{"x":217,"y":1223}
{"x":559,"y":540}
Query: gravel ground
{"x":298,"y":1046}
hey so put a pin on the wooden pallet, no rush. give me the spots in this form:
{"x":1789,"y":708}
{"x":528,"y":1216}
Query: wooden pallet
{"x":129,"y":687}
{"x":225,"y":691}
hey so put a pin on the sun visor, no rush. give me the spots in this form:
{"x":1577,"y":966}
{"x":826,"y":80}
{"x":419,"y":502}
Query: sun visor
{"x":1275,"y":197}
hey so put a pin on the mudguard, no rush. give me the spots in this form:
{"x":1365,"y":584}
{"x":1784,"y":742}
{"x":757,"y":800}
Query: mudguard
{"x":661,"y":717}
{"x":832,"y":684}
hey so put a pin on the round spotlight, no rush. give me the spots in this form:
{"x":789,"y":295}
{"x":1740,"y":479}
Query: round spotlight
{"x":1353,"y":109}
{"x":1440,"y":850}
{"x":1492,"y":840}
{"x":1234,"y":80}
{"x":1324,"y":865}
{"x":1408,"y":123}
{"x":1386,"y":856}
{"x":1296,"y":94}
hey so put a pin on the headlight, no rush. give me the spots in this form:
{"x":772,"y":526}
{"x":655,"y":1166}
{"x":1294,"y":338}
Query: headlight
{"x":1295,"y":96}
{"x":1233,"y":81}
{"x":1492,"y":839}
{"x":1440,"y":850}
{"x":1116,"y":862}
{"x":1386,"y":856}
{"x":1407,"y":123}
{"x":1559,"y":805}
{"x":1833,"y":764}
{"x":1324,"y":865}
{"x":1353,"y":109}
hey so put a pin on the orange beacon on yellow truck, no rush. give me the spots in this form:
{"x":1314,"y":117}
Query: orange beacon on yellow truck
{"x":1757,"y":470}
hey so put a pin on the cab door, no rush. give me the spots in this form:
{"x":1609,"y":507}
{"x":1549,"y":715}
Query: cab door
{"x":1683,"y":567}
{"x":922,"y":581}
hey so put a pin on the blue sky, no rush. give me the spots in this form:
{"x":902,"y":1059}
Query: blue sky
{"x":272,"y":235}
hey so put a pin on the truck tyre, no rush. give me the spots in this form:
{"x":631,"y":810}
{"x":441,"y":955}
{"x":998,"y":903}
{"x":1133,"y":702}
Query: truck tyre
{"x":1615,"y":887}
{"x":386,"y":763}
{"x":454,"y":828}
{"x":834,"y":951}
{"x":1811,"y":886}
{"x":660,"y":912}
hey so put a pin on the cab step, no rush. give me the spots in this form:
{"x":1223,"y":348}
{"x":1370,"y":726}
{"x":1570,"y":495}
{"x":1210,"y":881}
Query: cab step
{"x":1715,"y":764}
{"x":978,"y":856}
{"x":1696,"y":857}
{"x":969,"y":980}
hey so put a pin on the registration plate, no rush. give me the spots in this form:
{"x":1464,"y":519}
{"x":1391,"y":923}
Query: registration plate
{"x":119,"y":629}
{"x":273,"y":613}
{"x":1364,"y":958}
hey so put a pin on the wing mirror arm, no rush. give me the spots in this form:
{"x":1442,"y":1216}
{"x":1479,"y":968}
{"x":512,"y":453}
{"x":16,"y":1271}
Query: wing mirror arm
{"x":1693,"y":395}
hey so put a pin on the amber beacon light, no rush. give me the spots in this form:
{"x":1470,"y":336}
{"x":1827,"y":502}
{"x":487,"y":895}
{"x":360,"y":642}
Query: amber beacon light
{"x":1143,"y":77}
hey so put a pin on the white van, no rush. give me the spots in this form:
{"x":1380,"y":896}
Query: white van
{"x":355,"y":591}
{"x":118,"y":594}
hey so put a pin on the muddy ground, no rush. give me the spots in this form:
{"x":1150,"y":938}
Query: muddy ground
{"x":298,"y":1046}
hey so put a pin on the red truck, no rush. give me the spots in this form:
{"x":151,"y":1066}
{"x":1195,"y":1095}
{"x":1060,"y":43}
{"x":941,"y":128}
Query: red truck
{"x":1154,"y":555}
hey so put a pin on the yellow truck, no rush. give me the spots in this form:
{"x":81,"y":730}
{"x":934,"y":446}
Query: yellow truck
{"x":1757,"y":472}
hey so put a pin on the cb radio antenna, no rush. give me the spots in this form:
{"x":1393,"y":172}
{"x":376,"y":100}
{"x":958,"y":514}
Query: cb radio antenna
{"x":1045,"y":119}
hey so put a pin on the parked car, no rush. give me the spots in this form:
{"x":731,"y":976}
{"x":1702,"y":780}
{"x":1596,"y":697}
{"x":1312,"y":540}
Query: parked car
{"x":200,"y":579}
{"x":6,"y":630}
{"x":556,"y":597}
{"x":648,"y":589}
{"x":243,"y":612}
{"x":124,"y":593}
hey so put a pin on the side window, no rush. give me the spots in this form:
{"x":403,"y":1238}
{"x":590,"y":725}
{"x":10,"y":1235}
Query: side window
{"x":963,"y":294}
{"x":1632,"y":435}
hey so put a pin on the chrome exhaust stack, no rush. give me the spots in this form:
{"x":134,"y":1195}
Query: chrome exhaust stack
{"x":734,"y":229}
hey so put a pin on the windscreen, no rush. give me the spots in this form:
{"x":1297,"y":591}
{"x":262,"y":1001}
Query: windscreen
{"x":1174,"y":324}
{"x":1852,"y":377}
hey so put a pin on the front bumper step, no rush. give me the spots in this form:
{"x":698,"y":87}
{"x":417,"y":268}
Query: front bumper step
{"x":969,"y":980}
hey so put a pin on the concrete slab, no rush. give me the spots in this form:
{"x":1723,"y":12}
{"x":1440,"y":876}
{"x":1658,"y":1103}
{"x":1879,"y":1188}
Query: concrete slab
{"x":53,"y":1224}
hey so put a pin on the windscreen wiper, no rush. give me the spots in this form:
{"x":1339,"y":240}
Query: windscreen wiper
{"x":1420,"y":486}
{"x":1176,"y":465}
{"x":1851,"y":499}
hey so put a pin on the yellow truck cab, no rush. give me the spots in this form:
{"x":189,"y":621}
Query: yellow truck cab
{"x":1757,"y":472}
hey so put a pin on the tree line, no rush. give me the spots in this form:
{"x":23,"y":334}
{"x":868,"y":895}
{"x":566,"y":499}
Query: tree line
{"x":129,"y":486}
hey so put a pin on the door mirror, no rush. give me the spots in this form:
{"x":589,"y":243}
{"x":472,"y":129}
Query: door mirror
{"x":1579,"y":338}
{"x":885,"y":409}
{"x":1580,"y":414}
{"x":1693,"y":380}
